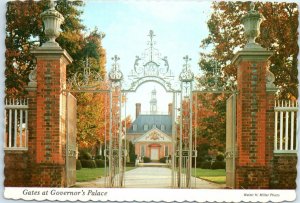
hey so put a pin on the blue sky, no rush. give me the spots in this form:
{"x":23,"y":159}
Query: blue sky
{"x":179,"y":27}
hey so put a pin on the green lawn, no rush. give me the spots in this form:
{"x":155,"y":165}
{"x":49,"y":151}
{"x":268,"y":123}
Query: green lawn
{"x":88,"y":174}
{"x":217,"y":175}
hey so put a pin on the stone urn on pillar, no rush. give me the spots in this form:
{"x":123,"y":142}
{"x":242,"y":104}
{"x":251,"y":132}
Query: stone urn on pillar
{"x":251,"y":22}
{"x":52,"y":20}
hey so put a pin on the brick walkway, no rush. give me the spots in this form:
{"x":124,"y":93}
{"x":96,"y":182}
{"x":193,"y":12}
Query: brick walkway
{"x":151,"y":177}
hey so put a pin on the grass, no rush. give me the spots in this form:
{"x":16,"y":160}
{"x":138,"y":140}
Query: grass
{"x":216,"y":176}
{"x":88,"y":174}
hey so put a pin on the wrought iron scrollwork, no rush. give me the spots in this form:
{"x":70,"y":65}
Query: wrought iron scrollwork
{"x":215,"y":81}
{"x":151,"y":63}
{"x":186,"y":74}
{"x":115,"y":74}
{"x":151,"y":67}
{"x":86,"y":79}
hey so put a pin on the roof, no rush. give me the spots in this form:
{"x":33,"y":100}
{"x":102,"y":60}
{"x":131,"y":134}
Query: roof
{"x":150,"y":120}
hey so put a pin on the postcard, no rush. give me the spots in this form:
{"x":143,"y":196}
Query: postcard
{"x":150,"y":101}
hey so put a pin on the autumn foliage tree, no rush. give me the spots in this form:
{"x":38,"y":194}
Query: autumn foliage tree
{"x":24,"y":31}
{"x":278,"y":33}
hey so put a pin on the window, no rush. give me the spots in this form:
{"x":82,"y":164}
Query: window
{"x":162,"y":127}
{"x":134,"y":127}
{"x":145,"y":127}
{"x":166,"y":150}
{"x":154,"y":126}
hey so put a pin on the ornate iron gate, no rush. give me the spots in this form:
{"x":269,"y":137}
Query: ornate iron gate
{"x":71,"y":119}
{"x":116,"y":151}
{"x":214,"y":83}
{"x":150,"y":68}
{"x":182,"y":168}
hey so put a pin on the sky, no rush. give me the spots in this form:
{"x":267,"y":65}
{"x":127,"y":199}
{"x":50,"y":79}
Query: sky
{"x":179,"y":27}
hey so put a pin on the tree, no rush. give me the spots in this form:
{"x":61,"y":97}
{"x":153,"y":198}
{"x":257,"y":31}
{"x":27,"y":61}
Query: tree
{"x":93,"y":119}
{"x":210,"y":122}
{"x":278,"y":33}
{"x":24,"y":31}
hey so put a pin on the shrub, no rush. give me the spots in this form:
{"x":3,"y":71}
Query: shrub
{"x":220,"y":157}
{"x":162,"y":160}
{"x":88,"y":163}
{"x":132,"y":155}
{"x":146,"y":159}
{"x":218,"y":165}
{"x":100,"y":163}
{"x":78,"y":164}
{"x":130,"y":164}
{"x":85,"y":156}
{"x":205,"y":165}
{"x":98,"y":156}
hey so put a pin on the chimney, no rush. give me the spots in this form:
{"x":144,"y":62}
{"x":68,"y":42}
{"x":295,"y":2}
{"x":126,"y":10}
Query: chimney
{"x":170,"y":109}
{"x":137,"y":109}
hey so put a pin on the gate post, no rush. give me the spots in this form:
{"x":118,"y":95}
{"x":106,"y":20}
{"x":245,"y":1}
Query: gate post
{"x":253,"y":104}
{"x":48,"y":166}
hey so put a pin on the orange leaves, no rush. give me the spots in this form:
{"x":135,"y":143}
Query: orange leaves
{"x":278,"y":33}
{"x":93,"y":118}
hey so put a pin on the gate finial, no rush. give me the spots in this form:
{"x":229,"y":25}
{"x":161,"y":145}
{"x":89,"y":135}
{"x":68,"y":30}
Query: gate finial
{"x":52,"y":20}
{"x":251,"y":22}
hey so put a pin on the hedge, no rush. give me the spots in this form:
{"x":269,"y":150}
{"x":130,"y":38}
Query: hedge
{"x":88,"y":163}
{"x":162,"y":160}
{"x":146,"y":159}
{"x":78,"y":164}
{"x":220,"y":157}
{"x":218,"y":165}
{"x":85,"y":156}
{"x":205,"y":165}
{"x":100,"y":163}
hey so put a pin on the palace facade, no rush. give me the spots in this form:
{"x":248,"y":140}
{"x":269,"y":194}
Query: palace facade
{"x":151,"y":133}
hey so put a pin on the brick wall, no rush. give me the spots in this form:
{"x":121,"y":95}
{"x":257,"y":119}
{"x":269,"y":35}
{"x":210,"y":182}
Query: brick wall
{"x":284,"y":171}
{"x":16,"y":168}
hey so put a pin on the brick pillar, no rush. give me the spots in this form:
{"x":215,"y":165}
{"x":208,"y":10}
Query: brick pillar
{"x":253,"y":106}
{"x":49,"y":165}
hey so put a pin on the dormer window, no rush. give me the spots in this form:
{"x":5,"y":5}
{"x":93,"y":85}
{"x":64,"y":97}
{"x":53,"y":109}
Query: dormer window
{"x":145,"y":127}
{"x":134,"y":127}
{"x":162,"y":127}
